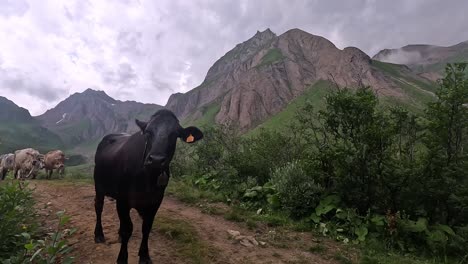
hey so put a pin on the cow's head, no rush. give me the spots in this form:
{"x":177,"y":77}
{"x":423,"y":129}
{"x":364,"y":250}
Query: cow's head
{"x":37,"y":160}
{"x":161,"y":133}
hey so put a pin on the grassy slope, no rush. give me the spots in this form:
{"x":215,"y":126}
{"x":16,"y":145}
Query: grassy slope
{"x":272,"y":56}
{"x":418,"y":91}
{"x":462,"y":56}
{"x":209,"y":112}
{"x":14,"y":136}
{"x":314,"y":94}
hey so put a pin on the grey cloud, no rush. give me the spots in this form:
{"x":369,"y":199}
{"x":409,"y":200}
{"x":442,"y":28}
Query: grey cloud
{"x":16,"y":81}
{"x":13,"y":7}
{"x":125,"y":75}
{"x":130,"y":42}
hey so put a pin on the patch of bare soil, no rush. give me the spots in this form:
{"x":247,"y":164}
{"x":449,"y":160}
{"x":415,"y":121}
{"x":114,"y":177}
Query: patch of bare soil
{"x":78,"y":201}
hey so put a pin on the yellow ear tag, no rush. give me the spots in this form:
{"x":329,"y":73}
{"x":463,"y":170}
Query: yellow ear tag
{"x":190,"y":139}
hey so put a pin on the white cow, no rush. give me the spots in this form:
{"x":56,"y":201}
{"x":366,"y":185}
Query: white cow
{"x":27,"y":163}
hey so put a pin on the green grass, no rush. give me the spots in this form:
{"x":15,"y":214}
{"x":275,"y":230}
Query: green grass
{"x":272,"y":56}
{"x":391,"y":68}
{"x":188,"y":244}
{"x":209,"y":113}
{"x":417,"y":90}
{"x":186,"y":192}
{"x":314,"y":94}
{"x":82,"y":171}
{"x":14,"y":136}
{"x":439,"y":67}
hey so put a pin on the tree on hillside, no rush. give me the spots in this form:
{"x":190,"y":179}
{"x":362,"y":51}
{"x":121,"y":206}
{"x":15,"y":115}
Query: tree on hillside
{"x":446,"y":172}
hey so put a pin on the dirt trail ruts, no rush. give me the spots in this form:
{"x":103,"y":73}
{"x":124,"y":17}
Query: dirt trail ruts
{"x":78,"y":201}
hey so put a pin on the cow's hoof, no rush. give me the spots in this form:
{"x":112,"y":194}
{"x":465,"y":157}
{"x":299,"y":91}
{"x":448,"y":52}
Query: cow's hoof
{"x":99,"y":239}
{"x":145,"y":261}
{"x":122,"y":262}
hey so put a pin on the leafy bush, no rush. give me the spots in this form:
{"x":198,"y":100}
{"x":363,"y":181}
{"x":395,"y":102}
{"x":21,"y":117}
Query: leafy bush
{"x":50,"y":250}
{"x":297,"y":192}
{"x":16,"y":216}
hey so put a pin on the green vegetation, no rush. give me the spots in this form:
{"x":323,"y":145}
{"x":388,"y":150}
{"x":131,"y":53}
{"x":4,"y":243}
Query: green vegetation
{"x":315,"y":95}
{"x":208,"y":111}
{"x":22,"y":240}
{"x":382,"y":178}
{"x":18,"y":135}
{"x":461,"y":56}
{"x":273,"y":55}
{"x":188,"y":245}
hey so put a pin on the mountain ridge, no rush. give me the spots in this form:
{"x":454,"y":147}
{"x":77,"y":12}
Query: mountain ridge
{"x":91,"y":114}
{"x":275,"y":70}
{"x":424,"y":59}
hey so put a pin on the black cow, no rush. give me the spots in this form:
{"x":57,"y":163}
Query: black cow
{"x":134,"y":170}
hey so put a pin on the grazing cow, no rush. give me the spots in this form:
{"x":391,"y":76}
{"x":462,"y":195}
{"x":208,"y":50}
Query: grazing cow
{"x":27,"y":163}
{"x":7,"y":163}
{"x":134,"y":170}
{"x":54,"y":159}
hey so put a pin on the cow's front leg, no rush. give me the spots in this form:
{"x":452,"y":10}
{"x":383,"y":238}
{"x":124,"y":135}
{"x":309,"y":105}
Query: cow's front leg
{"x":148,"y":215}
{"x":125,"y":231}
{"x":148,"y":219}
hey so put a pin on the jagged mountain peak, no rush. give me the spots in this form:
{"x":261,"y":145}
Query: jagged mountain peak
{"x":93,"y":94}
{"x":260,"y":76}
{"x":240,"y":53}
{"x":91,"y":114}
{"x":11,"y":112}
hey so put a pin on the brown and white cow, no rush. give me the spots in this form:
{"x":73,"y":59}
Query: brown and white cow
{"x":54,"y":159}
{"x":27,"y":163}
{"x":7,"y":163}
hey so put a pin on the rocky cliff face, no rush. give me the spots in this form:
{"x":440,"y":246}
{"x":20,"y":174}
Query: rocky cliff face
{"x":259,"y":77}
{"x":93,"y":114}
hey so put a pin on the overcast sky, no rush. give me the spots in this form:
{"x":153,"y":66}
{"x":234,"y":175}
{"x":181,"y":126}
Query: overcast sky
{"x":144,"y":50}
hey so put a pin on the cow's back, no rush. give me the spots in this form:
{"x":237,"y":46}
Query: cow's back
{"x":7,"y":161}
{"x":21,"y":157}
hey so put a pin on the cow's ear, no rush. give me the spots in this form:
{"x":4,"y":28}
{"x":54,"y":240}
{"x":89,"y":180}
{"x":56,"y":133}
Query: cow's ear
{"x":141,"y":124}
{"x":190,"y":134}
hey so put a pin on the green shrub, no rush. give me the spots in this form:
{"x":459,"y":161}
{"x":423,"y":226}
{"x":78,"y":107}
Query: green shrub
{"x":297,"y":192}
{"x":16,"y":216}
{"x":51,"y":249}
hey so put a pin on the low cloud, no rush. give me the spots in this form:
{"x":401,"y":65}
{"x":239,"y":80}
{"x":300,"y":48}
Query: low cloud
{"x":401,"y":57}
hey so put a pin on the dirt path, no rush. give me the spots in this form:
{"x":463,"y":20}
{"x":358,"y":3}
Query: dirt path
{"x":78,"y":201}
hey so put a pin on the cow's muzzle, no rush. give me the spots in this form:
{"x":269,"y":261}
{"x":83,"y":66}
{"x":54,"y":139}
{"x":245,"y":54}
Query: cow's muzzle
{"x":156,"y":161}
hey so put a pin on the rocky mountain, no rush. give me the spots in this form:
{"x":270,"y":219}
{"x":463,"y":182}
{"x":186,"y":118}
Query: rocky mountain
{"x":18,"y":129}
{"x":426,"y":60}
{"x":261,"y":76}
{"x":10,"y":112}
{"x":87,"y":116}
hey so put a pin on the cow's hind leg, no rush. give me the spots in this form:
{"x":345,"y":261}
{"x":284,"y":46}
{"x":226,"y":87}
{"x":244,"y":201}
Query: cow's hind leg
{"x":125,"y":230}
{"x":98,"y":206}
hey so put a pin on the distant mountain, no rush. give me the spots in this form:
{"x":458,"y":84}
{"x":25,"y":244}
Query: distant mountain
{"x":258,"y":78}
{"x":426,"y":60}
{"x":18,"y":129}
{"x":88,"y":116}
{"x":259,"y":83}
